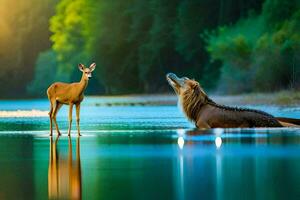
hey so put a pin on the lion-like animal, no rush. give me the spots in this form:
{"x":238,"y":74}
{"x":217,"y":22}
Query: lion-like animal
{"x":206,"y":113}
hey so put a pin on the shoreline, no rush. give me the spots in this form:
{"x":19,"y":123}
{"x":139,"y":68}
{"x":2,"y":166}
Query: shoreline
{"x":281,"y":98}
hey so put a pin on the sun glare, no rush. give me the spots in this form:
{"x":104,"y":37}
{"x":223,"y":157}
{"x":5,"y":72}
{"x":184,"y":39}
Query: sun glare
{"x":180,"y":142}
{"x":180,"y":132}
{"x":218,"y":142}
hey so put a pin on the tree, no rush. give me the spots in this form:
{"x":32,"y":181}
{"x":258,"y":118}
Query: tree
{"x":261,"y":49}
{"x":46,"y":66}
{"x":111,"y":47}
{"x":69,"y":41}
{"x":25,"y":35}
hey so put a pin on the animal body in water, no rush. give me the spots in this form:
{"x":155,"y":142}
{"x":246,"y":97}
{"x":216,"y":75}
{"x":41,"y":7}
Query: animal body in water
{"x":206,"y":113}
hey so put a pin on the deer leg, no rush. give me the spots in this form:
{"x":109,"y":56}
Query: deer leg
{"x":70,"y":118}
{"x":54,"y":113}
{"x":50,"y":116}
{"x":78,"y":118}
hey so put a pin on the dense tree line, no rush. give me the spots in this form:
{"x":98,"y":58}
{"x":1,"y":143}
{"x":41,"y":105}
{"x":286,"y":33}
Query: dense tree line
{"x":136,"y":42}
{"x":262,"y":51}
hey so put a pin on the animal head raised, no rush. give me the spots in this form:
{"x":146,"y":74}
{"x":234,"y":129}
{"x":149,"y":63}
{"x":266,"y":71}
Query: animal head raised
{"x":183,"y":85}
{"x":190,"y":94}
{"x":87,"y":71}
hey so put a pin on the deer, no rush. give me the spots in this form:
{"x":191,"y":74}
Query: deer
{"x":71,"y":94}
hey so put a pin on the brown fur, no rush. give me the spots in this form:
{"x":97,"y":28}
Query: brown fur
{"x":71,"y":94}
{"x":205,"y":113}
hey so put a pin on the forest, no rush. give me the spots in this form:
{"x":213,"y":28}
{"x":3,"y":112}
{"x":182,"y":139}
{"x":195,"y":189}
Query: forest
{"x":231,"y":47}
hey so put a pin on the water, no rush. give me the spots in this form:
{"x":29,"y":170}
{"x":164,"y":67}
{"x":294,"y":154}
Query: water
{"x":144,"y":152}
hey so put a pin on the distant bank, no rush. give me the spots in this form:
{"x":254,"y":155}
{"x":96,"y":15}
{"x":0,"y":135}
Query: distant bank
{"x":283,"y":98}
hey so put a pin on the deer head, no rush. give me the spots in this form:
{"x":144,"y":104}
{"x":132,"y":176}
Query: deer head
{"x":87,"y":71}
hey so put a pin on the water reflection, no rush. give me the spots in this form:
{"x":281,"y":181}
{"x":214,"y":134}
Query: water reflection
{"x":16,"y":168}
{"x":180,"y":142}
{"x":218,"y":142}
{"x":64,"y":173}
{"x":250,"y":164}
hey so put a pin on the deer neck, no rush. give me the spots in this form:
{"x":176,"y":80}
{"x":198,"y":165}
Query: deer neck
{"x":83,"y":83}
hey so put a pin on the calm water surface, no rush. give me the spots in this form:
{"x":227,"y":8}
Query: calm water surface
{"x":144,"y":152}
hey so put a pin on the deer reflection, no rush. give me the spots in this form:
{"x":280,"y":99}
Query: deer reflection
{"x":64,"y":173}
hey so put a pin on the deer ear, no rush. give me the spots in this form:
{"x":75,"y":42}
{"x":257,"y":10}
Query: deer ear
{"x":81,"y":67}
{"x":92,"y":66}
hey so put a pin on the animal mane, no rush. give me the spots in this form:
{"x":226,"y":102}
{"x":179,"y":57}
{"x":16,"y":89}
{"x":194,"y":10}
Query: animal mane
{"x":194,"y":99}
{"x":192,"y":102}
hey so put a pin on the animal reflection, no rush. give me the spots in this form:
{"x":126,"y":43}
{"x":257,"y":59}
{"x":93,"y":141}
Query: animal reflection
{"x":64,"y":173}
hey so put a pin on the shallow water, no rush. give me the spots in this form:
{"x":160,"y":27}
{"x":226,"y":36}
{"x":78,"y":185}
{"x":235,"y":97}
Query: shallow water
{"x":144,"y":152}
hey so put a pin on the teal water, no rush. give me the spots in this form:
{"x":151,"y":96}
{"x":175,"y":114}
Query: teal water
{"x":144,"y":152}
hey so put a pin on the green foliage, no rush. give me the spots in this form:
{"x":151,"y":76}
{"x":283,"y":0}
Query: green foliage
{"x":260,"y":52}
{"x":277,"y":11}
{"x":46,"y":66}
{"x":113,"y":51}
{"x":278,"y":56}
{"x":136,"y":42}
{"x":157,"y":53}
{"x":69,"y":37}
{"x":188,"y":28}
